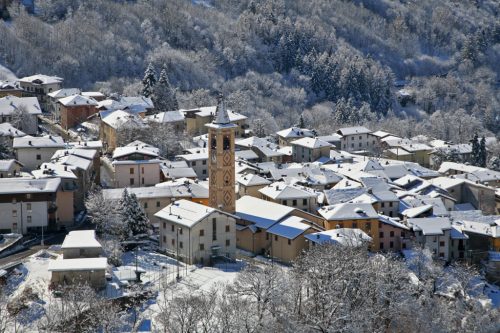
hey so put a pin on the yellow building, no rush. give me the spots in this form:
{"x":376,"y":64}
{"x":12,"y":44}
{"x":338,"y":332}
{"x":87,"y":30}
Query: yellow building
{"x":353,"y":215}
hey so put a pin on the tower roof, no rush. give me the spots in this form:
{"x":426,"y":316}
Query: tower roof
{"x":221,"y":118}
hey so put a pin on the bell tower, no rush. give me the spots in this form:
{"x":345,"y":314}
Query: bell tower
{"x":221,"y":171}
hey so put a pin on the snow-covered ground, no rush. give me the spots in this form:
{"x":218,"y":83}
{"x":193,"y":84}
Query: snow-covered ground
{"x":7,"y":74}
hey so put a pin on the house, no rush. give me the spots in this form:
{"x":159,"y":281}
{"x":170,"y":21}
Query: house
{"x":137,"y":104}
{"x":194,"y":190}
{"x":136,"y":173}
{"x":175,"y":119}
{"x":334,"y":139}
{"x":296,"y":196}
{"x":40,"y":86}
{"x":28,"y":205}
{"x":10,"y":168}
{"x":197,"y":233}
{"x":75,"y":109}
{"x":309,"y":149}
{"x":112,"y":122}
{"x":10,"y":89}
{"x":250,"y":184}
{"x":434,"y":234}
{"x":81,"y":244}
{"x":353,"y":215}
{"x":411,"y":152}
{"x":287,"y":238}
{"x":171,"y":170}
{"x":33,"y":151}
{"x":394,"y":236}
{"x":339,"y":236}
{"x":197,"y":161}
{"x":8,"y":133}
{"x":82,"y":151}
{"x":76,"y":271}
{"x":257,"y":217}
{"x":55,"y":96}
{"x":264,"y":149}
{"x":196,"y":119}
{"x":356,"y":138}
{"x":461,"y":151}
{"x":96,"y":95}
{"x":22,"y":112}
{"x":286,"y":136}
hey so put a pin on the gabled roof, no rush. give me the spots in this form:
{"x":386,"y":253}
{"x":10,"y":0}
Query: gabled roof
{"x":120,"y":118}
{"x":65,"y":92}
{"x":392,"y":222}
{"x":77,"y":100}
{"x":290,"y":228}
{"x":41,"y":79}
{"x":52,"y":170}
{"x":340,"y":236}
{"x":295,"y":132}
{"x":7,"y":130}
{"x":6,"y":165}
{"x":252,"y":180}
{"x":353,"y":130}
{"x":282,"y":191}
{"x":312,"y":143}
{"x":80,"y":239}
{"x":79,"y":264}
{"x":186,"y":213}
{"x":9,"y":104}
{"x":261,"y":212}
{"x":246,"y":154}
{"x":48,"y":141}
{"x":167,"y":117}
{"x":431,"y":226}
{"x":348,"y":211}
{"x":130,"y":150}
{"x":26,"y":185}
{"x":130,"y":101}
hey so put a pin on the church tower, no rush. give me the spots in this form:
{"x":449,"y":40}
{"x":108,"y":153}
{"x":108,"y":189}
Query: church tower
{"x":221,"y":170}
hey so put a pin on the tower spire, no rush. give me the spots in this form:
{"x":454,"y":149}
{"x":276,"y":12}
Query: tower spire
{"x":221,"y":116}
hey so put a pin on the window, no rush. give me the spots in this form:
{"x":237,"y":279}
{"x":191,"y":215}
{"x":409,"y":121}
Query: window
{"x":164,"y":225}
{"x":294,"y":202}
{"x":382,"y":204}
{"x":28,"y":195}
{"x":173,"y":242}
{"x":28,"y":219}
{"x":157,"y":204}
{"x":390,"y":204}
{"x":28,"y":206}
{"x":381,"y":246}
{"x":267,"y":236}
{"x":354,"y":224}
{"x":204,"y":171}
{"x":131,"y":181}
{"x":227,"y":228}
{"x":145,"y":204}
{"x":142,"y":180}
{"x":14,"y":213}
{"x":276,"y":238}
{"x":441,"y":255}
{"x":391,"y":245}
{"x":142,"y":169}
{"x":226,"y":143}
{"x":352,"y":145}
{"x":38,"y":156}
{"x":368,"y":226}
{"x":204,"y":162}
{"x":402,"y":233}
{"x":352,"y":138}
{"x":181,"y":245}
{"x":434,"y":239}
{"x":228,"y":242}
{"x":392,"y":234}
{"x":202,"y":232}
{"x":131,"y":171}
{"x":164,"y":239}
{"x":202,"y":247}
{"x":441,"y":243}
{"x":193,"y":163}
{"x":214,"y":229}
{"x":360,"y":137}
{"x":381,"y":234}
{"x":284,"y":202}
{"x":360,"y":144}
{"x":180,"y":231}
{"x":304,"y":202}
{"x":173,"y":228}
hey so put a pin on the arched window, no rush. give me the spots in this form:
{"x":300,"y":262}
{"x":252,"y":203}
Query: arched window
{"x":214,"y":143}
{"x":226,"y":143}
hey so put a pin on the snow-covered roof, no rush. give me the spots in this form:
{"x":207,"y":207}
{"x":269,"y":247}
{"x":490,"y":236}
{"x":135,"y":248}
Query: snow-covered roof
{"x":130,"y":101}
{"x":26,"y":185}
{"x":6,"y":165}
{"x":48,"y":141}
{"x":41,"y":79}
{"x":80,"y":239}
{"x":261,"y":212}
{"x":312,"y":143}
{"x":252,"y":180}
{"x":282,"y":191}
{"x":291,"y":227}
{"x":7,"y":130}
{"x":120,"y":118}
{"x":431,"y":225}
{"x":255,"y":141}
{"x":447,"y":166}
{"x":79,"y":264}
{"x":93,"y":94}
{"x":392,"y":222}
{"x":9,"y":104}
{"x":193,"y":157}
{"x":77,"y":100}
{"x":141,"y":192}
{"x":184,"y":187}
{"x":348,"y":211}
{"x":209,"y":111}
{"x":330,"y":138}
{"x":179,"y":172}
{"x":186,"y":213}
{"x":353,"y":130}
{"x":340,"y":236}
{"x":130,"y":150}
{"x":64,"y":92}
{"x":85,"y":153}
{"x":167,"y":117}
{"x":381,"y":134}
{"x":74,"y":162}
{"x":246,"y":154}
{"x":97,"y":144}
{"x":336,"y":196}
{"x":295,"y":132}
{"x":51,"y":170}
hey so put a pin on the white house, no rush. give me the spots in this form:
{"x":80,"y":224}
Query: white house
{"x":33,"y":151}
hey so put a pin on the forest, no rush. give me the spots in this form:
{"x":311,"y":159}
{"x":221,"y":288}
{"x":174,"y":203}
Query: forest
{"x":334,"y":62}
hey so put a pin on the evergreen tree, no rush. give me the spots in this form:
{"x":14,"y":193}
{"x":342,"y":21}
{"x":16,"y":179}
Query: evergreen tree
{"x":164,"y":96}
{"x":483,"y":154}
{"x":133,"y":216}
{"x":149,"y":81}
{"x":302,"y":123}
{"x":475,"y":150}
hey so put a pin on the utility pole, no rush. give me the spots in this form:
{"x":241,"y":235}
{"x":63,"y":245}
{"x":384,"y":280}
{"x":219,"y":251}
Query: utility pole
{"x":178,"y":263}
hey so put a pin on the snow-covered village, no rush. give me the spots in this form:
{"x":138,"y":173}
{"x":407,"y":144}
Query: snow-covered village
{"x":248,"y":167}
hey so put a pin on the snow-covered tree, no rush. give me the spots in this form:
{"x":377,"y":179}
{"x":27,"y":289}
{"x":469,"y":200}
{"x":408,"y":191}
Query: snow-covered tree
{"x":164,"y":95}
{"x":149,"y":81}
{"x":134,"y":218}
{"x":483,"y":153}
